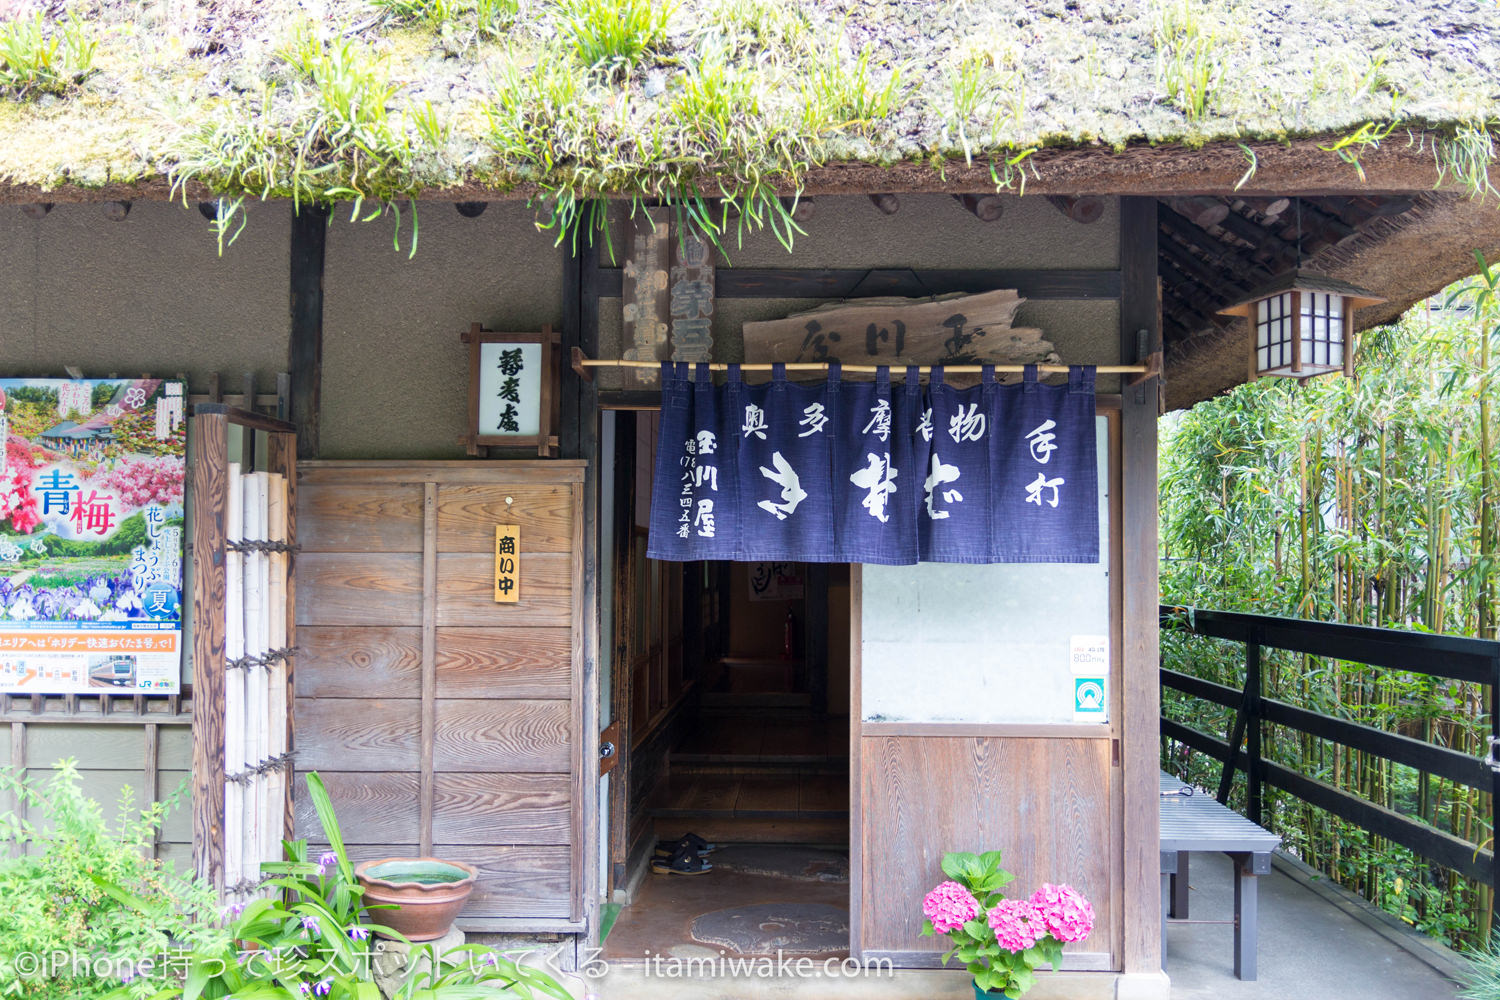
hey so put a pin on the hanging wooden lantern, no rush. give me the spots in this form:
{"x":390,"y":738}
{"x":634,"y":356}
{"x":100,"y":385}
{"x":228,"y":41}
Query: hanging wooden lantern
{"x":1302,"y":325}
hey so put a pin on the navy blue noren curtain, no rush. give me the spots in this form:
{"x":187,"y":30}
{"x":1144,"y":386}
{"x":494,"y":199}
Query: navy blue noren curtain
{"x":870,"y":473}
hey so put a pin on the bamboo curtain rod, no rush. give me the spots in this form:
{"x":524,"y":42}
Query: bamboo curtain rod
{"x":581,"y":364}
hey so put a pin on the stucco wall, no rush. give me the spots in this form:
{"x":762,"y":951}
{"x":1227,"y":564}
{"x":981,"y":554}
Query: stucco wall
{"x":934,"y":230}
{"x":395,"y":375}
{"x":149,"y":294}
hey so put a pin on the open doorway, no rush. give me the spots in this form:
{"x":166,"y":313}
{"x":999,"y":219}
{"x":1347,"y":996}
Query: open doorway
{"x":728,"y":695}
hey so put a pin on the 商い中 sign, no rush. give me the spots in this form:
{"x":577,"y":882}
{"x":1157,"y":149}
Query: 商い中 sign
{"x":91,"y":535}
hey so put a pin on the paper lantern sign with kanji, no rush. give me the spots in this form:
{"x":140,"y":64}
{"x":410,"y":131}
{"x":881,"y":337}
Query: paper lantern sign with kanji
{"x":513,"y":398}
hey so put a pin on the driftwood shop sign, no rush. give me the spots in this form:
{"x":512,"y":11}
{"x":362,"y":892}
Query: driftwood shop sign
{"x":951,"y":329}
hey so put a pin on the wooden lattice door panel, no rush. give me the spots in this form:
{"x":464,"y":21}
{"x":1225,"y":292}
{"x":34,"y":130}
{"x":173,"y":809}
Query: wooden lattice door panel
{"x":443,"y":722}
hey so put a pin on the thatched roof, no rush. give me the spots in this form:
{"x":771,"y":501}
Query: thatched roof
{"x":477,"y":99}
{"x":228,"y":92}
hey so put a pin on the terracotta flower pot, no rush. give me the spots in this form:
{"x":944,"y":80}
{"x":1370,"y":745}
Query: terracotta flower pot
{"x":429,"y":891}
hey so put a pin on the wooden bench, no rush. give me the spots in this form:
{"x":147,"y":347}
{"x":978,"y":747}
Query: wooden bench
{"x":1198,"y":822}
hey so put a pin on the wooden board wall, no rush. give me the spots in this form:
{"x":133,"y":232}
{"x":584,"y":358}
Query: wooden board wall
{"x":1044,"y":799}
{"x":445,"y":723}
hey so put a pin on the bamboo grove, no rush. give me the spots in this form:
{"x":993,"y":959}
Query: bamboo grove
{"x":1368,"y":500}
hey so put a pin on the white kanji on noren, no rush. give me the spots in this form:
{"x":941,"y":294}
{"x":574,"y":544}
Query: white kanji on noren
{"x":941,"y":473}
{"x":792,"y":492}
{"x":878,"y":480}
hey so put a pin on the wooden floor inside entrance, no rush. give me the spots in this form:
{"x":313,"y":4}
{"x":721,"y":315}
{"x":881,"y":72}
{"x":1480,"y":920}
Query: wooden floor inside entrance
{"x":770,"y":774}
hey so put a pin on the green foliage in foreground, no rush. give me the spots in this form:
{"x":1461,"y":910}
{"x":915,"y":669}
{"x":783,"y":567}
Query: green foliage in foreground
{"x":88,"y":914}
{"x":312,"y":936}
{"x":53,"y":904}
{"x":1369,"y":501}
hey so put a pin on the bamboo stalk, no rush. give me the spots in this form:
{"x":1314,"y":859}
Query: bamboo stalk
{"x":255,"y":681}
{"x":276,"y":707}
{"x":234,"y":684}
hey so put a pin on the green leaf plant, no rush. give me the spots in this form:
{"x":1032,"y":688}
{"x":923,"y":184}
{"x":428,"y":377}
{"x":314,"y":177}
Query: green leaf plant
{"x":996,"y":969}
{"x":314,"y":936}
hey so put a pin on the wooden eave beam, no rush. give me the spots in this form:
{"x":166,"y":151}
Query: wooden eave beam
{"x":1235,"y":259}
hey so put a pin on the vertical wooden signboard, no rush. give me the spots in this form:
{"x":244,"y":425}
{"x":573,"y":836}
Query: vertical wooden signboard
{"x":645,"y":308}
{"x":507,"y":563}
{"x":691,"y":301}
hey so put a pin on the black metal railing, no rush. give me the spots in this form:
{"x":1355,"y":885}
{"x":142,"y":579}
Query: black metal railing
{"x":1475,"y":661}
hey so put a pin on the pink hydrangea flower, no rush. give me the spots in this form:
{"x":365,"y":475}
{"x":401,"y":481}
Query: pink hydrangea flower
{"x":1017,"y":924}
{"x":1064,"y":911}
{"x":949,"y":907}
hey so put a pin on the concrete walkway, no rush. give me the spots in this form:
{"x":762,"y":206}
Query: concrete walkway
{"x":1312,"y":947}
{"x":1316,"y":943}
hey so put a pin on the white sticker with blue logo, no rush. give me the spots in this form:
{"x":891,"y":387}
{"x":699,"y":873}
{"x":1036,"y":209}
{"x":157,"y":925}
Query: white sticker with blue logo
{"x":1088,"y":656}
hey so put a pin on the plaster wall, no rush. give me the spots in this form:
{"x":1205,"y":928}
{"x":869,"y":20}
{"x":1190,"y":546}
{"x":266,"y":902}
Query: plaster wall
{"x":935,"y":231}
{"x":395,"y":375}
{"x":149,"y":294}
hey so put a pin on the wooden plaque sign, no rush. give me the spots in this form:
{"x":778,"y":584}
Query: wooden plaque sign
{"x":952,"y":329}
{"x":507,"y":563}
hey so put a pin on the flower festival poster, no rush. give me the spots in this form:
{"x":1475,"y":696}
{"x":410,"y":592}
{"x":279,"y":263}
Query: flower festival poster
{"x":91,"y":535}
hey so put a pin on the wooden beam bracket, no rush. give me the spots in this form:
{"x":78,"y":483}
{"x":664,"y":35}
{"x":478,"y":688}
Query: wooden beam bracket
{"x":1153,"y":370}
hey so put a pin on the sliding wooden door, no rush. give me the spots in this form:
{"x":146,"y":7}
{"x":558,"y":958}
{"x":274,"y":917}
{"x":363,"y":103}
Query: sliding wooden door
{"x":965,"y":737}
{"x":443,"y":721}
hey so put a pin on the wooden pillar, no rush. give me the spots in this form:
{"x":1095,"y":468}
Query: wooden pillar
{"x":305,"y":340}
{"x":579,"y":438}
{"x":210,"y":472}
{"x":17,"y":806}
{"x":1141,"y":685}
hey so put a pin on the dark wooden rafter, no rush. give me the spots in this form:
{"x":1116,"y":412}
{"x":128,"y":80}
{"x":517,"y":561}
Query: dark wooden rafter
{"x":1213,"y":250}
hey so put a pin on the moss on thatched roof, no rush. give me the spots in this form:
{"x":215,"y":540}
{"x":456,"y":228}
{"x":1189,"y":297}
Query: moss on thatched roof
{"x":341,"y":99}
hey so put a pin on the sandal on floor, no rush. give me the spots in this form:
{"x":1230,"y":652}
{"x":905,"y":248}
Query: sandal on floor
{"x":687,"y":842}
{"x":684,"y":862}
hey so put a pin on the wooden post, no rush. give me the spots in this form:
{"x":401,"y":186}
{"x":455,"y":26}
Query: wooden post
{"x":149,"y":777}
{"x":1139,"y":613}
{"x":305,"y":342}
{"x":18,"y":768}
{"x":210,"y":472}
{"x":1253,"y":769}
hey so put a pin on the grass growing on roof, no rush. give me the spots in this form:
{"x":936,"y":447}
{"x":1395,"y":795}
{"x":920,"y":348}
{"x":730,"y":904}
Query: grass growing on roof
{"x":1190,"y":60}
{"x":328,"y":134}
{"x":37,"y":58}
{"x":611,"y":37}
{"x":215,"y":98}
{"x":478,"y":18}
